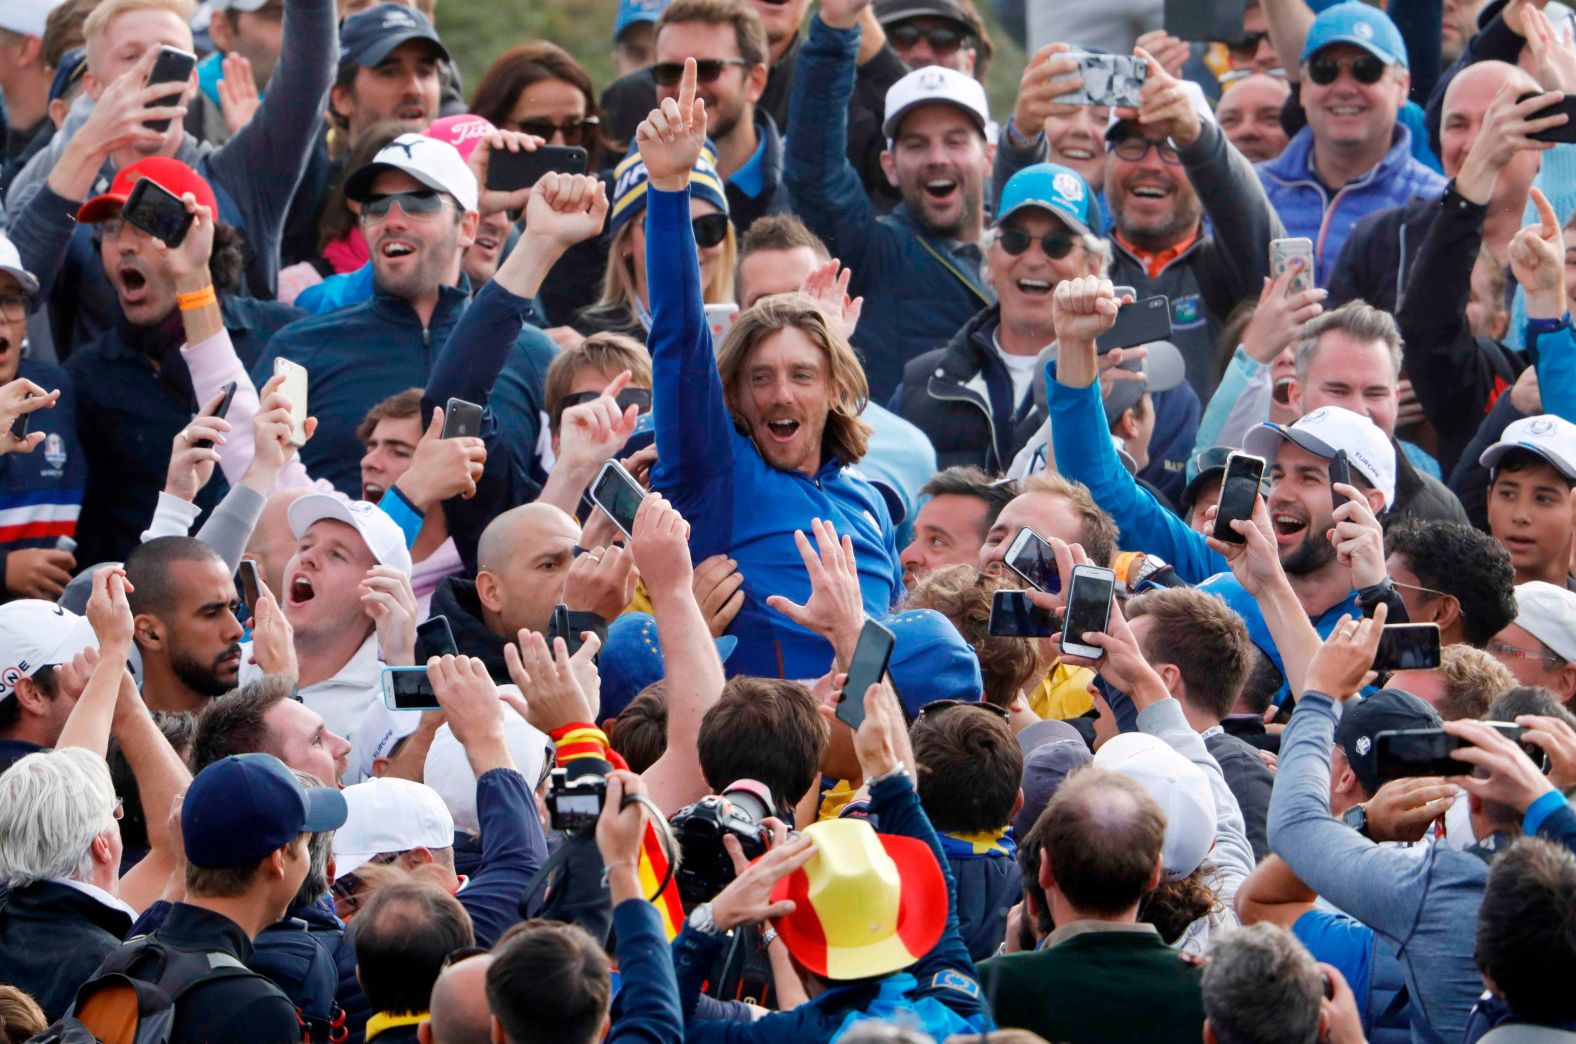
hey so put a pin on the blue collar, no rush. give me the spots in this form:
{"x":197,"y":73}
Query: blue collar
{"x":750,"y":179}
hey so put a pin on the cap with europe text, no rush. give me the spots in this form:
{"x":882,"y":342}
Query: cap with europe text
{"x":241,"y":808}
{"x":35,"y":634}
{"x":1326,"y":430}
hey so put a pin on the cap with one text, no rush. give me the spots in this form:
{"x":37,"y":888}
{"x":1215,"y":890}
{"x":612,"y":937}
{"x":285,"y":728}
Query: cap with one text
{"x":382,"y":534}
{"x":1363,"y":719}
{"x":367,"y":37}
{"x":35,"y":634}
{"x":431,"y":161}
{"x":934,"y":83}
{"x":890,"y":12}
{"x":1163,"y":369}
{"x":1326,"y":430}
{"x":11,"y":264}
{"x":169,"y":174}
{"x":386,"y":815}
{"x":1550,"y":437}
{"x":245,"y":806}
{"x":1178,"y":786}
{"x":637,"y":12}
{"x":1116,"y":128}
{"x":1548,"y":613}
{"x":1052,"y":187}
{"x":26,"y":17}
{"x":1359,"y":24}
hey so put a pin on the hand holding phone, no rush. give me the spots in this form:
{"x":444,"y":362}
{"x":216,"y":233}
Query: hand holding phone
{"x":1340,"y":472}
{"x":1408,"y":647}
{"x":1089,"y":597}
{"x":1283,"y":252}
{"x":461,"y":419}
{"x":867,"y":666}
{"x":509,"y":171}
{"x":1141,"y":322}
{"x":1033,"y":559}
{"x":408,"y":689}
{"x":1239,"y":489}
{"x":158,"y":212}
{"x":616,"y":492}
{"x":251,"y":584}
{"x":173,"y":66}
{"x":434,"y":638}
{"x":294,"y":389}
{"x":226,"y":394}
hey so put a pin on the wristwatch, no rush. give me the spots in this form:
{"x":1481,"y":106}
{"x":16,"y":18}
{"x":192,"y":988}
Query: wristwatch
{"x":1355,"y":817}
{"x":701,"y":920}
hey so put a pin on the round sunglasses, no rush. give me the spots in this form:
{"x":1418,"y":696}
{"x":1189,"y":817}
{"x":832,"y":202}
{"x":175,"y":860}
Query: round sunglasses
{"x":1365,"y":69}
{"x":1055,"y":245}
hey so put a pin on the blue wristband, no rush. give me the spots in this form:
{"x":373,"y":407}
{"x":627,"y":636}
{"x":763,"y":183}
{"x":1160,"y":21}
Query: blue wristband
{"x":1545,"y":326}
{"x":1541,"y":809}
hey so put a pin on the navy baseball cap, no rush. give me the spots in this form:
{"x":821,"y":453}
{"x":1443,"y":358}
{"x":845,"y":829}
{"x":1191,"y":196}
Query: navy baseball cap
{"x":245,"y":806}
{"x":367,"y":37}
{"x":631,"y":659}
{"x":1359,"y":24}
{"x":1362,"y":720}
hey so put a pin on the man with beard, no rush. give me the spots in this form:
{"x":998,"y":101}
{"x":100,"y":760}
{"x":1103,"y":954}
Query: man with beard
{"x":1165,"y":169}
{"x":182,"y":598}
{"x":419,"y":211}
{"x":1249,"y":113}
{"x":1336,"y":564}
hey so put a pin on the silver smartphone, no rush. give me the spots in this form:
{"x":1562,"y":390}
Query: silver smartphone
{"x":1089,"y":595}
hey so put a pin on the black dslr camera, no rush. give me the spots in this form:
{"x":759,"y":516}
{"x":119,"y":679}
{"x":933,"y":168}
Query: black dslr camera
{"x":706,"y":868}
{"x":576,"y":793}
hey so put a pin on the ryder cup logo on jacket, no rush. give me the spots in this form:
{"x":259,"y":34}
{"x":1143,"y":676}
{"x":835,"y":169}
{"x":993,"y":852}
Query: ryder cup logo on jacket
{"x":55,"y":450}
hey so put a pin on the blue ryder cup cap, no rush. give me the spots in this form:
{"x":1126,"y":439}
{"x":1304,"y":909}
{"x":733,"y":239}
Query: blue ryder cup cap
{"x":631,"y":659}
{"x":245,"y":806}
{"x":931,"y":661}
{"x":634,"y":12}
{"x":1050,"y":186}
{"x":367,"y":37}
{"x":1360,"y":25}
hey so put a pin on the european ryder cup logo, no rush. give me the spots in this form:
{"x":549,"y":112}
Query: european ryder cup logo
{"x":1541,"y":428}
{"x":55,"y":450}
{"x":1069,"y":187}
{"x":1363,"y":744}
{"x":932,"y":79}
{"x":1364,"y":30}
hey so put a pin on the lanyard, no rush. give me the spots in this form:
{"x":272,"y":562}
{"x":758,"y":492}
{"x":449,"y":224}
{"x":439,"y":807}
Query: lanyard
{"x":950,"y":267}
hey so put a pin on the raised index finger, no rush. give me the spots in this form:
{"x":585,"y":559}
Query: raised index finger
{"x":687,"y":89}
{"x":617,"y":384}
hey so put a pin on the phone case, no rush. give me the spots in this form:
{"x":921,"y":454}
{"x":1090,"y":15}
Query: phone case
{"x":1111,"y":80}
{"x":294,"y":388}
{"x":1281,"y":253}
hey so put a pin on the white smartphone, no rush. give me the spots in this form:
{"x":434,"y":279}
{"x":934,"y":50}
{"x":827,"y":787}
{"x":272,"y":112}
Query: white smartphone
{"x":1032,"y":558}
{"x":1282,"y":251}
{"x":616,"y":492}
{"x":720,"y":318}
{"x":1089,"y":596}
{"x":294,"y":389}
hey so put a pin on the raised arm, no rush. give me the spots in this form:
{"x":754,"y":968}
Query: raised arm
{"x":89,"y":722}
{"x":1537,"y":259}
{"x":161,"y":777}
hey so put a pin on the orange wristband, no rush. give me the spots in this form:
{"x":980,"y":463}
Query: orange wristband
{"x":197,"y":299}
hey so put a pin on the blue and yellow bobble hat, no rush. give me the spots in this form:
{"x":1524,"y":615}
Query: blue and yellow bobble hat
{"x":629,"y":187}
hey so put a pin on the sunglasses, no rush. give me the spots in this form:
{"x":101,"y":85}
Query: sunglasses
{"x":941,"y":39}
{"x":1365,"y":69}
{"x":1134,"y":149}
{"x":419,"y":201}
{"x":575,"y":132}
{"x":668,"y":74}
{"x":1244,"y":49}
{"x":710,"y":229}
{"x":637,"y":397}
{"x":938,"y":706}
{"x":1056,"y":245}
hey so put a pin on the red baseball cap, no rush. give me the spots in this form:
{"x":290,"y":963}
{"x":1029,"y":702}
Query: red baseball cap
{"x":169,"y":174}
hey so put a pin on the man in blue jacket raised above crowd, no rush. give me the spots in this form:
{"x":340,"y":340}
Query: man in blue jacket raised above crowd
{"x":1352,"y":158}
{"x":754,"y":454}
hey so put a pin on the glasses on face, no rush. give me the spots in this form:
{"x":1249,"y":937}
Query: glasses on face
{"x":1513,"y":652}
{"x":575,"y":132}
{"x":111,"y":228}
{"x":418,"y":201}
{"x":1134,"y":149}
{"x":710,"y":229}
{"x":1244,"y":49}
{"x":935,"y":707}
{"x":941,"y":39}
{"x":640,"y":398}
{"x":1365,"y":69}
{"x":14,"y":307}
{"x":1055,"y":245}
{"x":668,"y":74}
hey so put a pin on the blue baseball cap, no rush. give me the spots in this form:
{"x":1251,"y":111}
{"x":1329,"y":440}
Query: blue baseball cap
{"x":1360,"y":25}
{"x":1050,"y":186}
{"x":634,"y":12}
{"x":367,"y":37}
{"x":245,"y":806}
{"x":931,"y":661}
{"x":632,"y":659}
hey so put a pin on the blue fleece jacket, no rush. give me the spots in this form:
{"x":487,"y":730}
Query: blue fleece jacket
{"x":736,"y":503}
{"x":1556,"y":360}
{"x":359,"y":356}
{"x":1427,"y":906}
{"x":1307,"y":208}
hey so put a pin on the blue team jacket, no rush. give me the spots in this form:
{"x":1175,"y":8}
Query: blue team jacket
{"x":736,"y":503}
{"x":41,"y":492}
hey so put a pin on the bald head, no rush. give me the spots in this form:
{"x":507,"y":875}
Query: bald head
{"x":522,"y":560}
{"x":1466,"y":101}
{"x":459,"y":1013}
{"x":517,"y":527}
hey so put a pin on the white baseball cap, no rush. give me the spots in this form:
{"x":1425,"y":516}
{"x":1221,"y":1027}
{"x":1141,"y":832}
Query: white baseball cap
{"x":448,"y":769}
{"x":1178,"y":786}
{"x":1326,"y":430}
{"x":36,"y":634}
{"x":934,"y":83}
{"x":11,"y":261}
{"x":433,"y":162}
{"x":1548,"y":613}
{"x":1550,"y":437}
{"x":385,"y":539}
{"x":26,"y":17}
{"x":387,"y":814}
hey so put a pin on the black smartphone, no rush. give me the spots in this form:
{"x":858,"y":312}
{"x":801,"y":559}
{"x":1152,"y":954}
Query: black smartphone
{"x":1401,"y":753}
{"x":250,"y":584}
{"x":1238,"y":488}
{"x":1032,"y":558}
{"x":23,"y":420}
{"x":173,"y":66}
{"x":224,"y":407}
{"x":561,"y":626}
{"x":408,"y":689}
{"x":157,"y":211}
{"x":1089,"y":596}
{"x":1340,"y":471}
{"x":1012,"y":615}
{"x":616,"y":492}
{"x":1565,"y":133}
{"x":1205,"y":20}
{"x":867,"y":666}
{"x":461,"y":419}
{"x":1408,"y":647}
{"x":511,"y":171}
{"x":1139,"y":323}
{"x":434,"y":638}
